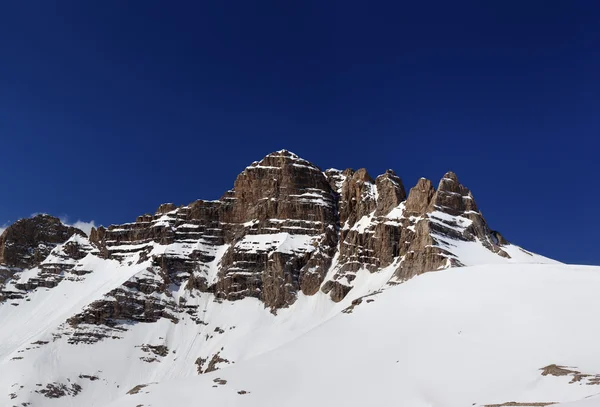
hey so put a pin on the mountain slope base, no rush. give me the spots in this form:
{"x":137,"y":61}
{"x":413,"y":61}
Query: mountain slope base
{"x":474,"y":336}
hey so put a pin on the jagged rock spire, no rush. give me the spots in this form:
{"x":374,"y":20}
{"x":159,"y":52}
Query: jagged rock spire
{"x":452,"y":197}
{"x":390,"y":192}
{"x":420,"y":196}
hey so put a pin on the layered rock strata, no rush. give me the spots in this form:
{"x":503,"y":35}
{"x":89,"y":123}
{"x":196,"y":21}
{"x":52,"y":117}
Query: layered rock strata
{"x":286,"y":227}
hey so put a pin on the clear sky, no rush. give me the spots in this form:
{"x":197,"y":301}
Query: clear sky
{"x":109,"y":108}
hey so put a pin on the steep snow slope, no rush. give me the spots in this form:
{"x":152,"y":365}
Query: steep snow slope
{"x":473,"y":336}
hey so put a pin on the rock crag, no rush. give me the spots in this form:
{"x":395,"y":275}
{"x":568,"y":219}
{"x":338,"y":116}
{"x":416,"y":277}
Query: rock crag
{"x":286,"y":227}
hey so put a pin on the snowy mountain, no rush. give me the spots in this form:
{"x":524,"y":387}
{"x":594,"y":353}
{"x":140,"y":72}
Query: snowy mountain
{"x":296,"y":286}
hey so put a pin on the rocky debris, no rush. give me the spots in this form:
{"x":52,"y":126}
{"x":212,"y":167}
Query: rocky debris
{"x":82,"y":333}
{"x":355,"y":303}
{"x":419,"y":197}
{"x":556,"y":370}
{"x":58,"y":390}
{"x":138,"y":388}
{"x":149,"y":359}
{"x":576,"y":376}
{"x":212,"y":365}
{"x":91,"y":378}
{"x":158,"y":350}
{"x":525,"y":404}
{"x":200,"y":364}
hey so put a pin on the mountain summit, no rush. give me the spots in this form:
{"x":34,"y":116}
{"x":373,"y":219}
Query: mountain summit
{"x":194,"y":288}
{"x":277,"y":233}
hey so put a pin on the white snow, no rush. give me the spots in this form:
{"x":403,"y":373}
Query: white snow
{"x":397,"y":213}
{"x":312,"y":198}
{"x":277,"y":242}
{"x":363,"y":223}
{"x":456,"y":338}
{"x":474,"y":253}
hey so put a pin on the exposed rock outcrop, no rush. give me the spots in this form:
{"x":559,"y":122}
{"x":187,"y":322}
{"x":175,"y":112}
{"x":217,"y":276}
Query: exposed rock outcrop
{"x":390,"y":192}
{"x":27,"y":242}
{"x":274,"y":234}
{"x":30,"y":243}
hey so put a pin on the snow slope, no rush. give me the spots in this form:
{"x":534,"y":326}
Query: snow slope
{"x":37,"y":351}
{"x":472,"y":336}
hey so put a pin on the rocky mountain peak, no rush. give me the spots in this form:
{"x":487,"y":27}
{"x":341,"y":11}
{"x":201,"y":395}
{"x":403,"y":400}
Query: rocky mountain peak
{"x":450,"y":176}
{"x":362,"y":175}
{"x":282,"y":158}
{"x":280,"y":186}
{"x":27,"y":242}
{"x":166,"y":207}
{"x":453,"y":197}
{"x":283,"y":153}
{"x":390,"y":192}
{"x":420,"y":196}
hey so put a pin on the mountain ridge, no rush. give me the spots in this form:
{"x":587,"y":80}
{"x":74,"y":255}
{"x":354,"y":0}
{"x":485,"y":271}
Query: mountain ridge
{"x":308,"y":207}
{"x":289,"y":246}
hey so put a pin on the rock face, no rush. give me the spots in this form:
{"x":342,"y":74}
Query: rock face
{"x":28,"y":243}
{"x":284,"y":217}
{"x":390,"y":192}
{"x":285,"y":228}
{"x":448,"y":214}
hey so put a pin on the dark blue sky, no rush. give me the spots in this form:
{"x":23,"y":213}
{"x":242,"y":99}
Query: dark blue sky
{"x":109,"y":108}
